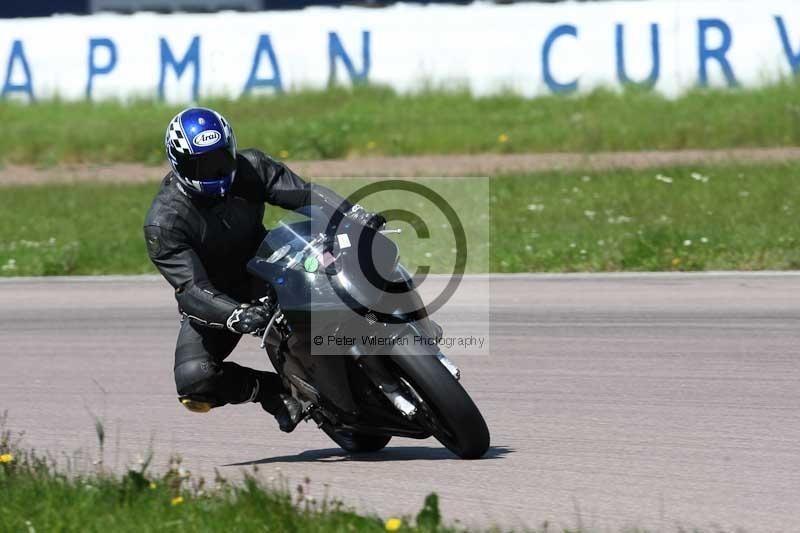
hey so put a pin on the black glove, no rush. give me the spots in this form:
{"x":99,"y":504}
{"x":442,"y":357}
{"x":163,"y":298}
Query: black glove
{"x":372,"y":220}
{"x":248,"y":319}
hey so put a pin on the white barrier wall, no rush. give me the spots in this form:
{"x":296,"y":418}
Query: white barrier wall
{"x":529,"y":48}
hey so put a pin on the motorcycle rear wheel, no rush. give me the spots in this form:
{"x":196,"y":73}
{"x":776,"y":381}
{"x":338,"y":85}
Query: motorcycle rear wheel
{"x":355,"y":442}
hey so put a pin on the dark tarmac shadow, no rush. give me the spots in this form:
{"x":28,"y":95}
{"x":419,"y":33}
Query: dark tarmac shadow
{"x":390,"y":453}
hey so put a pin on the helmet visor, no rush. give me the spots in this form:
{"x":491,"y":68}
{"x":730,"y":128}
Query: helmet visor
{"x":219,"y":187}
{"x":211,"y":166}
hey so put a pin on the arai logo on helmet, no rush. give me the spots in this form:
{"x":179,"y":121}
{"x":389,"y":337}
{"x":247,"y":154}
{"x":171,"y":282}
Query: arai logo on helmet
{"x":207,"y":138}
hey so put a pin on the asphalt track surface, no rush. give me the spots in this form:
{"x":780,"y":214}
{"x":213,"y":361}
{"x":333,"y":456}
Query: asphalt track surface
{"x":637,"y":400}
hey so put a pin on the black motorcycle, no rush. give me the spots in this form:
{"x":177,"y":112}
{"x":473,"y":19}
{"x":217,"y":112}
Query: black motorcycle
{"x":351,"y":339}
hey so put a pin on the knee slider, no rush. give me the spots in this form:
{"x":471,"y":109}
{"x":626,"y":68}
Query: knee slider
{"x":196,"y":381}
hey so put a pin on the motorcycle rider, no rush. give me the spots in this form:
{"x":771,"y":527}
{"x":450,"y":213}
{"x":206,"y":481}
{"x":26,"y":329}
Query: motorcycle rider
{"x":203,"y":226}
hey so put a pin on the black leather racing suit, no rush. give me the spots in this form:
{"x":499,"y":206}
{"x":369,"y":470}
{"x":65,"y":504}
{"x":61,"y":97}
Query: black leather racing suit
{"x":202,"y":246}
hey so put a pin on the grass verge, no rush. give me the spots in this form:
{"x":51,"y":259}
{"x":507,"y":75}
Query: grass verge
{"x":693,"y":219}
{"x":36,"y":496}
{"x":377,"y":121}
{"x":714,"y":218}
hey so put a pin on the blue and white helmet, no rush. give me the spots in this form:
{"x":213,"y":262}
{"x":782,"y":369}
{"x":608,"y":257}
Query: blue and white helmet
{"x":201,"y":148}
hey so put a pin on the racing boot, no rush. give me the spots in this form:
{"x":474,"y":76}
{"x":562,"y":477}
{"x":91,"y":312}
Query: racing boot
{"x":285,"y":408}
{"x":289,"y":414}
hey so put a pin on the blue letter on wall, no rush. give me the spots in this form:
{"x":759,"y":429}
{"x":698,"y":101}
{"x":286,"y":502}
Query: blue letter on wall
{"x":717,"y":54}
{"x":94,"y":68}
{"x":794,"y":59}
{"x":552,"y":84}
{"x":26,"y":87}
{"x":192,"y":56}
{"x":264,"y":47}
{"x":335,"y":49}
{"x":654,"y":47}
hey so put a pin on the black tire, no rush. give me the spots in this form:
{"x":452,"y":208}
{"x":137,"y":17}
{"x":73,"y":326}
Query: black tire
{"x":354,"y":442}
{"x":462,"y":428}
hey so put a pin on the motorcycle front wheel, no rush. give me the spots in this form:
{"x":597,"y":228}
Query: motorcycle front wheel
{"x":446,"y":409}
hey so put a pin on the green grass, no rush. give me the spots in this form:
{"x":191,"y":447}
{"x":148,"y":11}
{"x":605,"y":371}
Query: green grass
{"x":371,"y":121}
{"x":727,"y":217}
{"x":36,"y":496}
{"x":716,"y":218}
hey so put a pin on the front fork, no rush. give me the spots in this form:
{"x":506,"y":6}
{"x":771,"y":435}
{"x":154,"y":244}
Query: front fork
{"x":393,"y":388}
{"x":375,"y":369}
